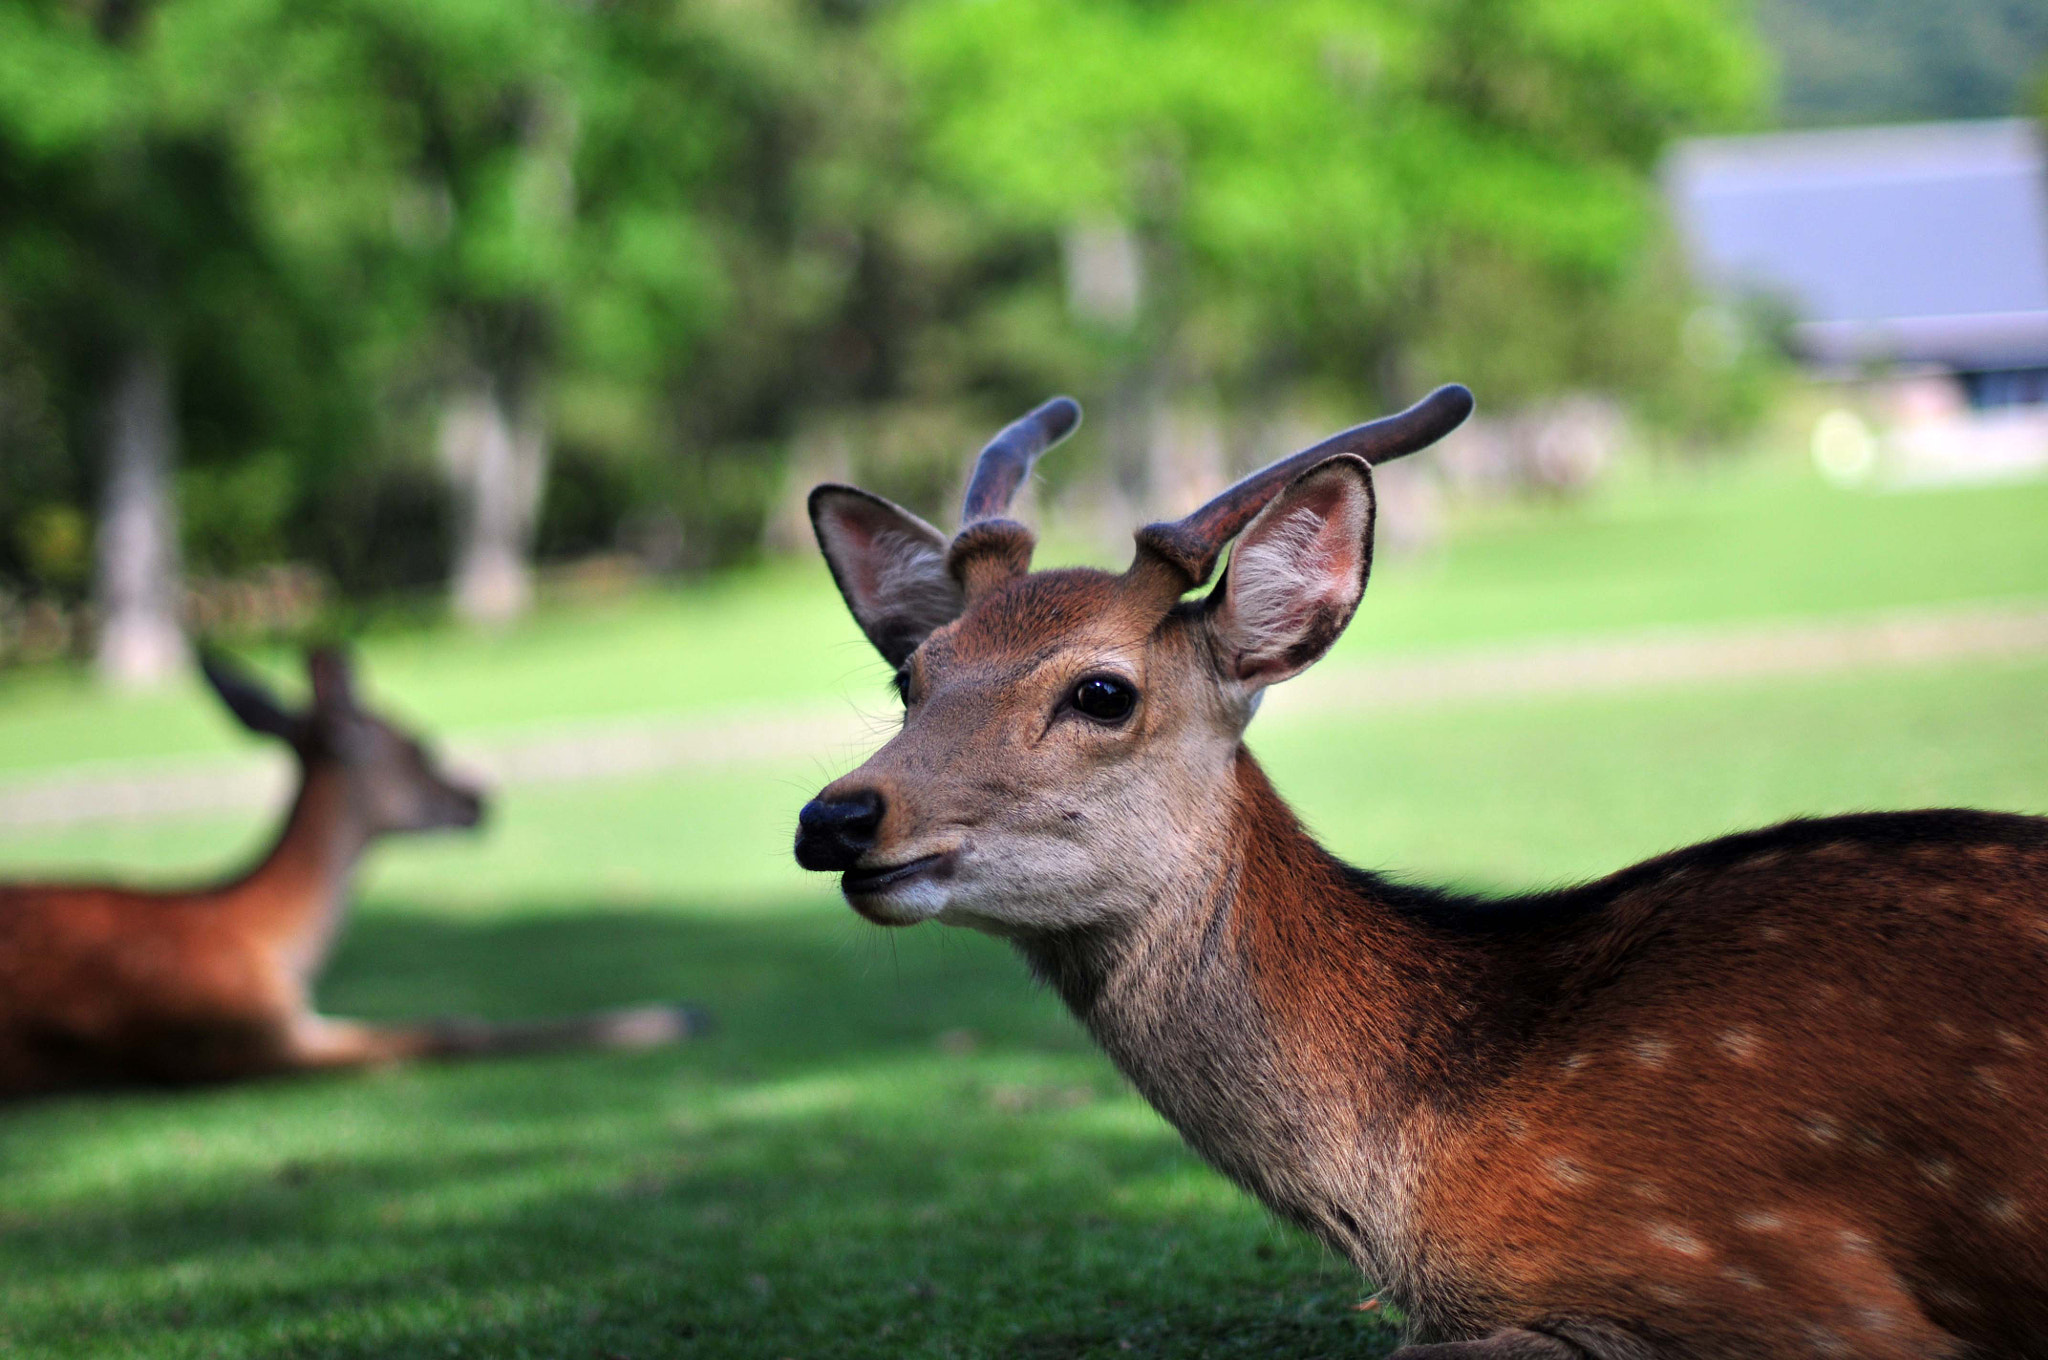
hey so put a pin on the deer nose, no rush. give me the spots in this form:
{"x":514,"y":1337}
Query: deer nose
{"x":835,"y":833}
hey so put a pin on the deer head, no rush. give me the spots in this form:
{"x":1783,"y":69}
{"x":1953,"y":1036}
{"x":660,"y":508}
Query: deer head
{"x":1068,"y":736}
{"x":392,"y":782}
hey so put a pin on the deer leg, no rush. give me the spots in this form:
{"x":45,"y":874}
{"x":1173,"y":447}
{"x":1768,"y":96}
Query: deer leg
{"x":319,"y":1042}
{"x":1509,"y":1345}
{"x":633,"y":1028}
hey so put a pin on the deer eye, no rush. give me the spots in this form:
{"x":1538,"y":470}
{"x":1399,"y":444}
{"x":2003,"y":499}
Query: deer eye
{"x":1104,"y":698}
{"x":901,"y":680}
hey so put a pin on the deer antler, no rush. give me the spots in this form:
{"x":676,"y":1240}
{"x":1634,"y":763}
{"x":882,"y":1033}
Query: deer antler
{"x":990,"y":548}
{"x":1191,"y":545}
{"x":1007,"y":460}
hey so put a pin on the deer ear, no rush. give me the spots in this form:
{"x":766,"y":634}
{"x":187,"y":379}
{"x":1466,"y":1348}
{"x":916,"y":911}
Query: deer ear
{"x":889,"y":564}
{"x":333,"y":676}
{"x":253,"y":705}
{"x":1296,"y":574}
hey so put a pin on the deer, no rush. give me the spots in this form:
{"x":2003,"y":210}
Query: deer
{"x":1779,"y":1094}
{"x":107,"y":986}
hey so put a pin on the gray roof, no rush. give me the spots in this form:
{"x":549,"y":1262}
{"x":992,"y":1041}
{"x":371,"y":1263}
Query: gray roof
{"x":1925,"y":243}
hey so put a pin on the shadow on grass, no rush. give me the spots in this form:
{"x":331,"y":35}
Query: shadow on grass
{"x":892,"y":1147}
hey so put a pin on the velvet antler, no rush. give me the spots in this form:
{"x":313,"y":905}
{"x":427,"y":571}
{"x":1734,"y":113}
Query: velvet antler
{"x":990,"y":548}
{"x":1190,"y":546}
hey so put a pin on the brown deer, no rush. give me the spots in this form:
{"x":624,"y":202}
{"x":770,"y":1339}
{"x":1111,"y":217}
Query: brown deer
{"x":104,"y":986}
{"x":1780,"y":1094}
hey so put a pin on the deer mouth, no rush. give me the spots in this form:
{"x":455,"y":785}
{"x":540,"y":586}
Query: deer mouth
{"x":874,"y":882}
{"x":866,"y":881}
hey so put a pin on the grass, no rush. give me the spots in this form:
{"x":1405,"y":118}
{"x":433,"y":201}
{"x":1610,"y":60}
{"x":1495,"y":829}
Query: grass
{"x":1742,"y":542}
{"x":895,"y":1145}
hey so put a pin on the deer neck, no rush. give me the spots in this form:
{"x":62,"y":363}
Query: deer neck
{"x":1281,"y":1011}
{"x":296,"y":894}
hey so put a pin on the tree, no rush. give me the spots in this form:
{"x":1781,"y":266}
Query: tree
{"x":387,"y":278}
{"x":1293,"y":190}
{"x":508,"y":193}
{"x":121,"y":233}
{"x":1888,"y":61}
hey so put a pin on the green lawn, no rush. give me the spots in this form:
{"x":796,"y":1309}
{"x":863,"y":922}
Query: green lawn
{"x":896,"y":1146}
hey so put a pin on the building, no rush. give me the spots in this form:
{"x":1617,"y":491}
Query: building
{"x":1913,"y":263}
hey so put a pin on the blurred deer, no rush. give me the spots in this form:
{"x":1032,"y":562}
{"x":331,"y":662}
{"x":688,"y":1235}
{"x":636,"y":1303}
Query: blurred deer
{"x":104,"y":986}
{"x":1782,"y":1094}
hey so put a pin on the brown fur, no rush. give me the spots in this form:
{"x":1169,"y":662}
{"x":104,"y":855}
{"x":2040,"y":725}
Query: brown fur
{"x":1781,"y":1094}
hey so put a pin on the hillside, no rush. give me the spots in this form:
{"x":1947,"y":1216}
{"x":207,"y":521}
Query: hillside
{"x":1878,"y":61}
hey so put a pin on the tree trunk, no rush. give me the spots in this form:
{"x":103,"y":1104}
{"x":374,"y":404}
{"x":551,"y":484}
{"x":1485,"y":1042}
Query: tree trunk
{"x":494,"y":435}
{"x":495,"y":447}
{"x":138,"y":581}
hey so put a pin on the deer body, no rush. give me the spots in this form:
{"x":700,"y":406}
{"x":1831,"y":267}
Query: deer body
{"x":1780,"y":1094}
{"x":103,"y":985}
{"x":1532,"y":1110}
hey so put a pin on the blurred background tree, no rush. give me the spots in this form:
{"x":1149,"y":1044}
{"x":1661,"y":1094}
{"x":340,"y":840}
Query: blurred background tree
{"x":138,"y":300}
{"x":1879,"y":61}
{"x":514,"y":204}
{"x":1372,"y":197}
{"x":409,"y":297}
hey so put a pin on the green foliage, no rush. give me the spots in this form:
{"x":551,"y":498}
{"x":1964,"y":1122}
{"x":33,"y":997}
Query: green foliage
{"x":129,"y":222}
{"x":232,"y":517}
{"x":1311,"y":178}
{"x":494,"y":166}
{"x":699,"y":238}
{"x":55,"y":545}
{"x":39,"y":485}
{"x":515,"y":190}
